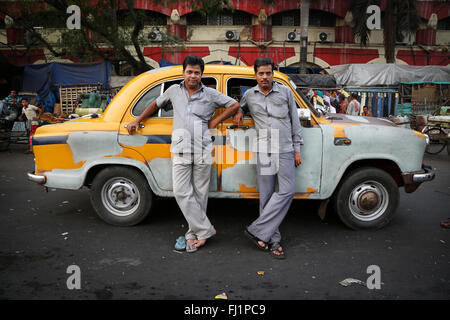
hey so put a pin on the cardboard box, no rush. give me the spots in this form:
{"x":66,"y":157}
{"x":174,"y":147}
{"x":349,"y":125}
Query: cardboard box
{"x":427,"y":93}
{"x":57,"y":109}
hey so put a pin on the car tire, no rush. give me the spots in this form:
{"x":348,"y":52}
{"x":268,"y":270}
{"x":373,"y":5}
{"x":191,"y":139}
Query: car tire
{"x":366,"y":198}
{"x":121,"y":196}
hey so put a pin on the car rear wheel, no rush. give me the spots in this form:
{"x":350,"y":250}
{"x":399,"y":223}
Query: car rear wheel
{"x":121,"y":196}
{"x":367,"y":198}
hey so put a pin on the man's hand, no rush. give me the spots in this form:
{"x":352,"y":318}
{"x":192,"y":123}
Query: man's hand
{"x":133,"y":127}
{"x":238,"y":117}
{"x":298,"y":159}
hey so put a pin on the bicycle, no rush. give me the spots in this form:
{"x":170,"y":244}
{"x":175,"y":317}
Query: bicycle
{"x":435,"y":129}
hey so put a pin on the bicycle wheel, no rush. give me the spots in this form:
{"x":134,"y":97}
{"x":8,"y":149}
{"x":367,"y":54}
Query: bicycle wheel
{"x":437,"y":141}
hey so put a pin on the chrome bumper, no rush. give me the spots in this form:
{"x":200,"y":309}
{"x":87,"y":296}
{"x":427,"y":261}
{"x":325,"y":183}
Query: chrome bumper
{"x":35,"y":178}
{"x":428,"y":175}
{"x":413,"y":180}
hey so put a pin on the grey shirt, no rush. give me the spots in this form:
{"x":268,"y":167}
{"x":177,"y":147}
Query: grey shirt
{"x":277,"y":123}
{"x":191,"y":115}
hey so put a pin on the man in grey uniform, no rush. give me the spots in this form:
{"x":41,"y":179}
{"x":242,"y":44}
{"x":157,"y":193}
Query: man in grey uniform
{"x":194,"y":105}
{"x":279,"y":136}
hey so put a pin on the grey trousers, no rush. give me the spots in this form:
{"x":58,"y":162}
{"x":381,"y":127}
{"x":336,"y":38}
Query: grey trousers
{"x":191,"y":178}
{"x":273,"y":204}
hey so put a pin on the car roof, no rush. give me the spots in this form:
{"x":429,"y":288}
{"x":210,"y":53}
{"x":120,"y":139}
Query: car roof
{"x":212,"y":69}
{"x":135,"y":85}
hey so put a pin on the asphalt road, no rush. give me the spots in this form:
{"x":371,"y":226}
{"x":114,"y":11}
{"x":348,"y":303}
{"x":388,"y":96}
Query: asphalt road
{"x":42,"y":234}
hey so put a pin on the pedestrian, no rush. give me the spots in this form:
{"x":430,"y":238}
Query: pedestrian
{"x":194,"y":104}
{"x":342,"y":104}
{"x":277,"y":150}
{"x":32,"y":113}
{"x":353,"y":106}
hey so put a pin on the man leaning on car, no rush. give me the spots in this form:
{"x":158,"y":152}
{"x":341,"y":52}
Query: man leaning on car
{"x":194,"y":105}
{"x":279,"y":136}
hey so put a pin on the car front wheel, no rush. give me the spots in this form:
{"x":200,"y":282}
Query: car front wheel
{"x":367,"y":198}
{"x":121,"y":196}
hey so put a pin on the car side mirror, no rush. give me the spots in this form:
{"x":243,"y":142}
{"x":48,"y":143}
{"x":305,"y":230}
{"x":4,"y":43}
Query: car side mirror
{"x":305,"y":117}
{"x":304,"y":114}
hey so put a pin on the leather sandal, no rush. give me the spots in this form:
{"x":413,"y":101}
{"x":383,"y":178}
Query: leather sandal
{"x":276,"y":247}
{"x":256,"y":240}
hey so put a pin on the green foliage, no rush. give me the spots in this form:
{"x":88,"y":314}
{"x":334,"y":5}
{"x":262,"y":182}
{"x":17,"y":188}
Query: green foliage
{"x":359,"y":12}
{"x":110,"y":24}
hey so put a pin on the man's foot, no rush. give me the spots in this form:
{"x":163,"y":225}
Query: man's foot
{"x":201,"y":243}
{"x":258,"y":242}
{"x":277,"y":251}
{"x":191,"y":245}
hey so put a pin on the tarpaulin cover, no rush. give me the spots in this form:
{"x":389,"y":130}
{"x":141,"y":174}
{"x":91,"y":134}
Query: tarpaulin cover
{"x":40,"y":77}
{"x":119,"y":81}
{"x":387,"y":74}
{"x":313,"y":80}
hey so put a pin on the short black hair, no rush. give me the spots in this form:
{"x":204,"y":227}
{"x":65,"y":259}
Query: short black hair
{"x":25,"y":99}
{"x":263,"y":62}
{"x":193,"y":61}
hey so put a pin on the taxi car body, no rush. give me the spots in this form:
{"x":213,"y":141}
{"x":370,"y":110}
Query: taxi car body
{"x":359,"y":163}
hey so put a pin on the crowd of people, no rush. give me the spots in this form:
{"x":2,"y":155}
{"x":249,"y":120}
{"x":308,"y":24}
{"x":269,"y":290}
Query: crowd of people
{"x":335,"y":101}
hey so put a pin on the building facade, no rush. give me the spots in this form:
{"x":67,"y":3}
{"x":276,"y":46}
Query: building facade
{"x":257,"y":28}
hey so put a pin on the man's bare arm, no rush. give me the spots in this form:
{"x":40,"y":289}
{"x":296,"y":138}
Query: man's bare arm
{"x":224,"y":115}
{"x":134,"y":125}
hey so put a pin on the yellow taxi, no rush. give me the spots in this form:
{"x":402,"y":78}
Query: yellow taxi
{"x":359,"y":163}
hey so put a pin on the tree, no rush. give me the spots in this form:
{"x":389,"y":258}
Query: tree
{"x":400,"y":18}
{"x":110,"y":29}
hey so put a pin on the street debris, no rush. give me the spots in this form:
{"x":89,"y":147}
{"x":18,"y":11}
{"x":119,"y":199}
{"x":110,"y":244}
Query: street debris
{"x":222,"y":296}
{"x":349,"y":281}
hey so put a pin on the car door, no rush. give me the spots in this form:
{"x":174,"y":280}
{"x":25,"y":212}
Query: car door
{"x":154,"y":137}
{"x":238,"y":171}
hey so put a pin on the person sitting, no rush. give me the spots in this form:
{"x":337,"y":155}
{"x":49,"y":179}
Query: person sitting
{"x":46,"y":103}
{"x":9,"y":107}
{"x":366,"y":112}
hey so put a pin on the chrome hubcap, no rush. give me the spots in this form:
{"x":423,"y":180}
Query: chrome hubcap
{"x":368,"y":201}
{"x":120,"y":196}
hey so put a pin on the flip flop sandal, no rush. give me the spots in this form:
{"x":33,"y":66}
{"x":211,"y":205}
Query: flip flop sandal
{"x":256,"y":240}
{"x":190,"y":247}
{"x":275,"y":247}
{"x":180,"y":245}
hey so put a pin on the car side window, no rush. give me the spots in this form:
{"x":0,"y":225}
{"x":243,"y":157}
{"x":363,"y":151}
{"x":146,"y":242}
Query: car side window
{"x":167,"y":110}
{"x":145,"y":100}
{"x":236,"y":88}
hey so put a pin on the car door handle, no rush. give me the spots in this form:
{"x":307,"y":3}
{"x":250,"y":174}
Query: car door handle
{"x":140,"y":126}
{"x":342,"y":141}
{"x":235,"y":126}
